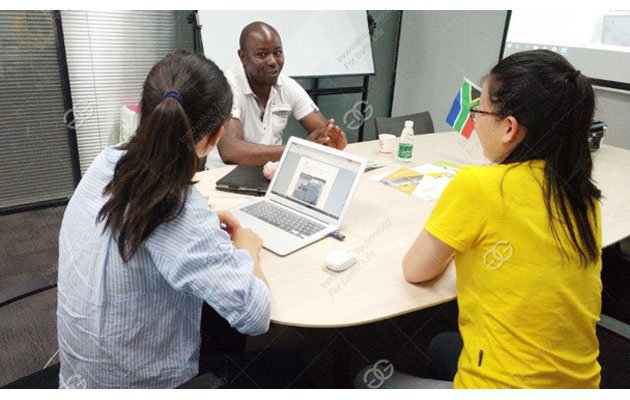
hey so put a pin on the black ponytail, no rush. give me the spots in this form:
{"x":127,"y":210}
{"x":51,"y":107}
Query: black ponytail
{"x":184,"y":99}
{"x":555,"y":103}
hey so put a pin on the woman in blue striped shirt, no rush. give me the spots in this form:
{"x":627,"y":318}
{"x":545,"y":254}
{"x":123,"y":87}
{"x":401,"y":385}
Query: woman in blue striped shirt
{"x":140,"y":250}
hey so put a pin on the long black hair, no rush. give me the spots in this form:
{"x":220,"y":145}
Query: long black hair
{"x":555,"y":103}
{"x":151,"y":180}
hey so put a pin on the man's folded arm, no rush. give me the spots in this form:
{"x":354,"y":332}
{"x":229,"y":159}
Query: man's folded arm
{"x":234,"y":149}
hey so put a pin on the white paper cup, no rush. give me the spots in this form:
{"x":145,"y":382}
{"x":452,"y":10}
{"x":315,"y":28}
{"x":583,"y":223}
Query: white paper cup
{"x":387,"y":143}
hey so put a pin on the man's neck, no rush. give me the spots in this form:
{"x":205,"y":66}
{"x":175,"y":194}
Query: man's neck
{"x":261,"y":91}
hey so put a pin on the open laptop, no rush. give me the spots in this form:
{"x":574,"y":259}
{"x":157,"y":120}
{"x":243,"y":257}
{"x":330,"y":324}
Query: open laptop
{"x":307,"y":197}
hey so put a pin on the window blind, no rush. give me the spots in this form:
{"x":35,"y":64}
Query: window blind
{"x":35,"y":156}
{"x":109,"y":55}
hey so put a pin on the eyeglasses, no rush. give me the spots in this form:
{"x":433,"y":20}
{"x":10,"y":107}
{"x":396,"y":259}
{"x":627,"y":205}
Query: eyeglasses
{"x":475,"y":112}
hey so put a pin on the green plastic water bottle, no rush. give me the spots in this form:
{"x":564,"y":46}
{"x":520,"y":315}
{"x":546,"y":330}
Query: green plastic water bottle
{"x":405,"y":145}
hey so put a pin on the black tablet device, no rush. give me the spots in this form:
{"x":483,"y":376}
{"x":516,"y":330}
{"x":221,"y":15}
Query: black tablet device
{"x":244,"y":179}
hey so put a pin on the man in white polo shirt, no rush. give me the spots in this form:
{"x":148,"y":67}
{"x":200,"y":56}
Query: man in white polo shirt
{"x":264,"y":99}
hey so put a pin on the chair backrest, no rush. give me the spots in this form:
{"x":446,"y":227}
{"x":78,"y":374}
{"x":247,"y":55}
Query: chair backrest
{"x":422,"y":123}
{"x":47,"y":378}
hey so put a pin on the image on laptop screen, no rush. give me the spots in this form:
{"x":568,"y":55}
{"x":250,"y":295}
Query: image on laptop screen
{"x":315,"y":179}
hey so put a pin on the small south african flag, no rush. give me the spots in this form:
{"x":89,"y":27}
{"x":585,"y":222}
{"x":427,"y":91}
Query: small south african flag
{"x":459,"y":116}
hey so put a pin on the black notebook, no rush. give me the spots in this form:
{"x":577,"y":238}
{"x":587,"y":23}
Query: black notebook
{"x":244,"y":179}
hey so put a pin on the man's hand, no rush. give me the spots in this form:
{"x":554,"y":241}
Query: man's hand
{"x":336,"y":137}
{"x":329,"y":135}
{"x":319,"y":135}
{"x":228,"y":222}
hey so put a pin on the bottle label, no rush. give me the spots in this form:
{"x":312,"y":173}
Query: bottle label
{"x":405,"y":151}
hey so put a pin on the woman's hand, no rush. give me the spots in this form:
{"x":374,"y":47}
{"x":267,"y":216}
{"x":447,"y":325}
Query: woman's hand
{"x":243,"y":239}
{"x":228,"y":222}
{"x":247,"y":239}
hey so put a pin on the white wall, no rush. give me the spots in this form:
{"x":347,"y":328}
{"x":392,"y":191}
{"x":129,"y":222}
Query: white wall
{"x":614,"y":109}
{"x":438,"y":48}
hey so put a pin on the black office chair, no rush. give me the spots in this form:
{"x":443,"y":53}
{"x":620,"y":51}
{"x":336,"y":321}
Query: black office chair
{"x":422,"y":123}
{"x":47,"y":378}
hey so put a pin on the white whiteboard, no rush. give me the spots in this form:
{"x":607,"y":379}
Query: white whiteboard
{"x":315,"y":43}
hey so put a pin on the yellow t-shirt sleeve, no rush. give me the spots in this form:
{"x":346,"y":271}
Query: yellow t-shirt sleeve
{"x":459,"y":216}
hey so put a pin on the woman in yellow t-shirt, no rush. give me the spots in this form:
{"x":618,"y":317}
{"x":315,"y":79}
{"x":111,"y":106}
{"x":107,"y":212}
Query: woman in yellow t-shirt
{"x":525,"y":232}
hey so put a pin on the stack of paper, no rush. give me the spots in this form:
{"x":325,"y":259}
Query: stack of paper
{"x":426,"y":181}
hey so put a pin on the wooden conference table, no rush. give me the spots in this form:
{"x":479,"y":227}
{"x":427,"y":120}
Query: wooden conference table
{"x":380,"y":225}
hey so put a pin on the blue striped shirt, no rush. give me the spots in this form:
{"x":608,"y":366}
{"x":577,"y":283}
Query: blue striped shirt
{"x":136,"y":324}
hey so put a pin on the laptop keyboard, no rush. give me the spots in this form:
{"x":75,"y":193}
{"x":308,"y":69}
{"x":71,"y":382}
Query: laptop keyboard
{"x":279,"y":217}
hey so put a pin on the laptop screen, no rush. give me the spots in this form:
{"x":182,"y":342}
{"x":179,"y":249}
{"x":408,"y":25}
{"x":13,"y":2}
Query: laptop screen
{"x":315,"y":179}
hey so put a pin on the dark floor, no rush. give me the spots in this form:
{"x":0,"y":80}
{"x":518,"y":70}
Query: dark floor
{"x":29,"y":250}
{"x":28,"y":335}
{"x":28,"y":259}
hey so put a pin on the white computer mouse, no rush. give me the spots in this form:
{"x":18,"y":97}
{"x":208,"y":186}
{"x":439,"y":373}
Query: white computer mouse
{"x":340,"y":260}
